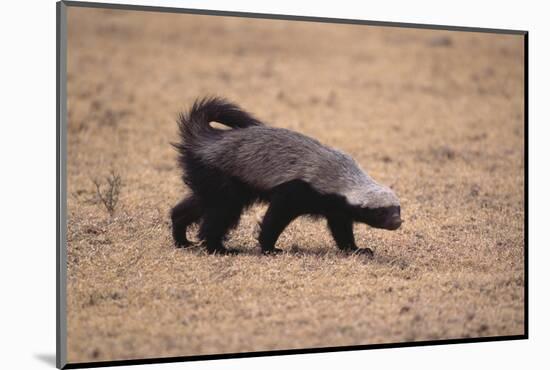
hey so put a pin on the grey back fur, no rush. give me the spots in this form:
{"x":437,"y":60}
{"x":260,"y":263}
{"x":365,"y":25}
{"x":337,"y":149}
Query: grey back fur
{"x":265,"y":157}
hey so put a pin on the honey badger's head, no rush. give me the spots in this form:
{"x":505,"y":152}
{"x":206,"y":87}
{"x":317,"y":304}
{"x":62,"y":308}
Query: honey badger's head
{"x":388,"y":218}
{"x":376,"y":205}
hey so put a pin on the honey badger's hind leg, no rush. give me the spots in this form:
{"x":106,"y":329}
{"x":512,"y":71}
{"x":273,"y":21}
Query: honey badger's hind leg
{"x":222,"y":200}
{"x":217,"y":221}
{"x":185,"y":213}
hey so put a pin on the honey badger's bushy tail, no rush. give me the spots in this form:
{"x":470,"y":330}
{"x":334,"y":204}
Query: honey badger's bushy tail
{"x":196,"y":123}
{"x":194,"y":126}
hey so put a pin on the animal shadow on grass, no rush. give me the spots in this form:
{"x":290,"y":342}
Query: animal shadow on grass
{"x":198,"y":248}
{"x":380,"y":257}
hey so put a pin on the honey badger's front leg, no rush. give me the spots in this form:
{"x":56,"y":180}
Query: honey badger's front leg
{"x":341,"y":228}
{"x":342,"y":231}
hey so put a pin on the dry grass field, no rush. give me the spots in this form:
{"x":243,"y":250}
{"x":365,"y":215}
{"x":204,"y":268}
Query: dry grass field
{"x":437,"y":115}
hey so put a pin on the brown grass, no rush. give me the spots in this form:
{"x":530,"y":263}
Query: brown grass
{"x":437,"y":115}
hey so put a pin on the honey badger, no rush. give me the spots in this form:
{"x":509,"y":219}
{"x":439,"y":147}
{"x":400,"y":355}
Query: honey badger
{"x":229,"y":170}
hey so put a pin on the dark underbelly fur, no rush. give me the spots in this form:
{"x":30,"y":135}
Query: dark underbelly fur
{"x":218,"y":200}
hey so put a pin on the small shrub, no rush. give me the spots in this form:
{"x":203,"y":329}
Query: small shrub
{"x":110,"y":196}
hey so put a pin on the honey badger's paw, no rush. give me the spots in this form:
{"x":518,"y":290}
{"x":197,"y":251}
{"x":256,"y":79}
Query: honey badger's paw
{"x":182,"y":243}
{"x":271,"y":252}
{"x":223,"y":252}
{"x":364,"y":252}
{"x":189,"y":244}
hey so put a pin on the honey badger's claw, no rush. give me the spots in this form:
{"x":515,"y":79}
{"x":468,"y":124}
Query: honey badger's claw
{"x":271,"y":252}
{"x":364,"y":252}
{"x":183,"y":244}
{"x":189,"y":244}
{"x":223,"y":252}
{"x":180,"y":245}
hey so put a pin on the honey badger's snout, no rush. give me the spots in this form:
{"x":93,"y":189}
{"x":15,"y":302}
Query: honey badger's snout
{"x":388,"y":218}
{"x":394,"y":221}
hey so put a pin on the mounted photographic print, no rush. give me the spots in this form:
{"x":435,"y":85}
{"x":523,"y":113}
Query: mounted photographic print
{"x":236,"y":184}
